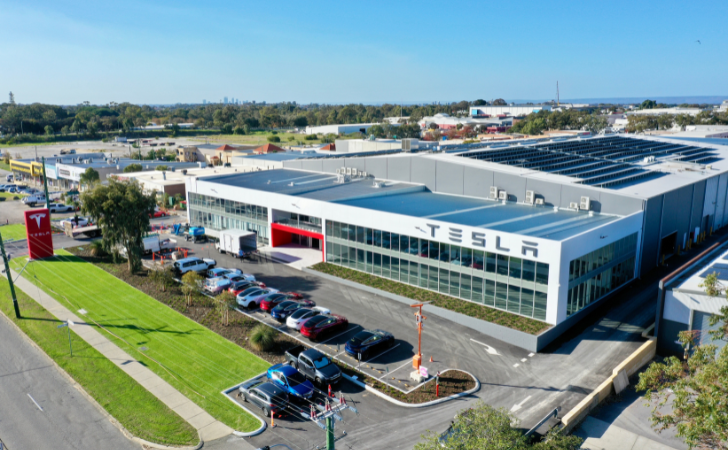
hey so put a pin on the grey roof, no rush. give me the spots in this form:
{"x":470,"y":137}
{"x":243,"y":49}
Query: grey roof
{"x":313,"y":185}
{"x":274,"y":156}
{"x":544,"y":222}
{"x":416,"y":201}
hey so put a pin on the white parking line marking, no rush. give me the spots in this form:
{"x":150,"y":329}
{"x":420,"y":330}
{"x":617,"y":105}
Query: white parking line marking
{"x":340,"y":334}
{"x":530,"y":355}
{"x":524,"y":360}
{"x":386,"y":351}
{"x":408,"y":362}
{"x":516,"y":365}
{"x":518,"y":406}
{"x":488,"y":348}
{"x":36,"y":403}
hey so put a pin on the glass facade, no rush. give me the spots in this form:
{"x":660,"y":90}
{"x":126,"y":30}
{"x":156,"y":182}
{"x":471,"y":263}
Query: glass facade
{"x":513,"y":284}
{"x":596,"y":274}
{"x":301,"y":221}
{"x":220,"y":214}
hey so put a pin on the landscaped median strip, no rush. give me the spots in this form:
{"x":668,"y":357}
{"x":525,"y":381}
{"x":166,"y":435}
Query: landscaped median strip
{"x":138,"y":412}
{"x":191,"y":358}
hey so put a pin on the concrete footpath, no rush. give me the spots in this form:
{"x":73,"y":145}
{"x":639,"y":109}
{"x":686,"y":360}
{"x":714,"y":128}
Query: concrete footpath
{"x":207,"y":426}
{"x":600,"y":435}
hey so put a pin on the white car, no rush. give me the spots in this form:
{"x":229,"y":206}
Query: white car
{"x":80,"y":222}
{"x":296,"y":320}
{"x":253,"y":296}
{"x":223,"y":272}
{"x":216,"y":285}
{"x":59,"y":208}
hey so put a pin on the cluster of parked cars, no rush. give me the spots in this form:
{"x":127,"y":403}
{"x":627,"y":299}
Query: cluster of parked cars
{"x":17,"y":189}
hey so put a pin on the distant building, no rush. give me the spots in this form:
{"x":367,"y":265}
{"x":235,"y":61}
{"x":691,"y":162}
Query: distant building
{"x":343,"y":128}
{"x":368,"y":145}
{"x":268,"y":148}
{"x":723,"y":106}
{"x":447,"y":122}
{"x":509,"y":110}
{"x":660,"y":111}
{"x":704,"y":131}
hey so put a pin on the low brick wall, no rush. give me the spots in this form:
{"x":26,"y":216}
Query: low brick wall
{"x":630,"y":365}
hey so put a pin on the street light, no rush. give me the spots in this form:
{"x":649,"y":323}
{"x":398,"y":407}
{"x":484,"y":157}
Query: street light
{"x":68,"y":325}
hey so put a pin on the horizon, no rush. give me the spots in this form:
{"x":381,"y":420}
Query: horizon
{"x":164,"y":53}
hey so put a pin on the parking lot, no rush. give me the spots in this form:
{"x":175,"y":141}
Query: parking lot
{"x":529,"y":385}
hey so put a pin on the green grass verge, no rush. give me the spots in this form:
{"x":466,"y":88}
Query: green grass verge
{"x":506,"y":319}
{"x":4,"y":166}
{"x":141,"y":413}
{"x":9,"y":196}
{"x":194,"y":359}
{"x":14,"y":231}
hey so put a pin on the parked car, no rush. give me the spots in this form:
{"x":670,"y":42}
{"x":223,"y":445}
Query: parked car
{"x":9,"y":177}
{"x":192,"y":263}
{"x":222,"y":272}
{"x":240,"y":277}
{"x":267,"y":304}
{"x":216,"y":285}
{"x":75,"y":222}
{"x":368,"y":343}
{"x":33,"y":200}
{"x":281,"y":311}
{"x":7,"y":187}
{"x":59,"y":208}
{"x":298,"y":317}
{"x":239,"y":286}
{"x":157,"y":214}
{"x":324,"y":325}
{"x":314,"y":365}
{"x":292,"y":381}
{"x":265,"y":395}
{"x":253,"y":296}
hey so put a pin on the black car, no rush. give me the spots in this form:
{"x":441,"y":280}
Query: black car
{"x":265,"y":395}
{"x":368,"y":343}
{"x":282,"y":310}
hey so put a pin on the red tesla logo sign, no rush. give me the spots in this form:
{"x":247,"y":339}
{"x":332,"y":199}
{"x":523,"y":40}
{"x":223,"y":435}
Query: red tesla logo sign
{"x":38,"y":232}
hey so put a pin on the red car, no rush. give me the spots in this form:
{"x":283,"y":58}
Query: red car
{"x":325,"y":325}
{"x":157,"y":214}
{"x":273,"y":300}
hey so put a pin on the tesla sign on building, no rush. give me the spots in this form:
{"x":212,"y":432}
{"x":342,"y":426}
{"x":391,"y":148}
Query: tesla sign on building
{"x":38,"y":232}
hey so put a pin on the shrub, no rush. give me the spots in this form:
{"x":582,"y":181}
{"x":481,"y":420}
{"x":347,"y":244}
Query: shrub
{"x":2,"y":199}
{"x":310,"y":137}
{"x":274,"y":139}
{"x":291,"y":138}
{"x":15,"y":197}
{"x":97,"y":249}
{"x":273,"y":132}
{"x":263,"y":337}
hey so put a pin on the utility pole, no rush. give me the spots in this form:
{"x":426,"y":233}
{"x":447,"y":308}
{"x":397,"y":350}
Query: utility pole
{"x":45,"y":185}
{"x":10,"y":278}
{"x":330,"y":441}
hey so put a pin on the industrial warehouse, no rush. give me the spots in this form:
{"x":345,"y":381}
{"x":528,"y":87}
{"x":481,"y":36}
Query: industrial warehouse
{"x":543,"y":228}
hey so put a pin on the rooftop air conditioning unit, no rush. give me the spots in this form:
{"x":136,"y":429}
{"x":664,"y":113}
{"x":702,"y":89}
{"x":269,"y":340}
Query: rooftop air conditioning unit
{"x":584,"y":204}
{"x":348,"y":170}
{"x":338,"y":170}
{"x":291,"y":183}
{"x":493,"y":192}
{"x":502,"y":195}
{"x":354,"y":172}
{"x":530,"y":197}
{"x":573,"y":205}
{"x":364,"y":174}
{"x":539,"y":201}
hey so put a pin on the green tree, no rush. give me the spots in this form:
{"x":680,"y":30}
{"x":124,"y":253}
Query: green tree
{"x":225,"y":302}
{"x":89,"y":177}
{"x":273,"y":139}
{"x":480,"y":102}
{"x":151,"y":155}
{"x":484,"y":427}
{"x":499,"y":102}
{"x":65,"y":130}
{"x":694,"y":389}
{"x":300,"y":121}
{"x":239,"y":130}
{"x":48,"y":130}
{"x":191,"y":283}
{"x":648,"y":104}
{"x":122,"y":211}
{"x":161,"y":167}
{"x":92,"y":128}
{"x":174,"y":130}
{"x":134,"y":167}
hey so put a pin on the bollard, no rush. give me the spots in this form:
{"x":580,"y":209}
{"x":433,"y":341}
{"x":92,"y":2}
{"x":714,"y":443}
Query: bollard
{"x":329,"y":390}
{"x":272,"y":421}
{"x":437,"y":389}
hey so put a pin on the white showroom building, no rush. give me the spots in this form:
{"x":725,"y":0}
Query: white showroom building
{"x":543,"y":229}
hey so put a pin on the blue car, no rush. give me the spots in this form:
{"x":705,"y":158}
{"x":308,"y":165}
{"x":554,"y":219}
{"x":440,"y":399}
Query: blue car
{"x":291,"y":380}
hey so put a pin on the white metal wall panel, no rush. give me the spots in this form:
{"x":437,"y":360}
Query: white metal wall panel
{"x":675,"y":310}
{"x":720,"y":203}
{"x":711,"y":196}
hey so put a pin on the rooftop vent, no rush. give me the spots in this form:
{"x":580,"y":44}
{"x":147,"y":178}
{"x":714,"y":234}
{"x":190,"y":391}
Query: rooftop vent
{"x":291,"y":183}
{"x":573,"y":205}
{"x":379,"y":184}
{"x":539,"y":201}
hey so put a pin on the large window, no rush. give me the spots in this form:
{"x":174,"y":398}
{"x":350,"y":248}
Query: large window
{"x":513,"y":284}
{"x":596,"y":274}
{"x":220,"y":214}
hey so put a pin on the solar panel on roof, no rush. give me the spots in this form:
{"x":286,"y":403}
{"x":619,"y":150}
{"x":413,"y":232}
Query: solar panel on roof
{"x":720,"y":269}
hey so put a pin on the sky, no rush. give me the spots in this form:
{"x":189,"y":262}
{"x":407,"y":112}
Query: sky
{"x":165,"y":52}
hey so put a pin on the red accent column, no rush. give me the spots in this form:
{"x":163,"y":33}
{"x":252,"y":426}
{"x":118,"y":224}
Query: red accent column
{"x":281,"y":235}
{"x":38,"y":233}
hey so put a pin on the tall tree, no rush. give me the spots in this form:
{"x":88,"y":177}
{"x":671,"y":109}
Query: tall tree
{"x":122,"y":211}
{"x":499,"y":102}
{"x":89,"y":177}
{"x":694,"y":389}
{"x":134,"y":167}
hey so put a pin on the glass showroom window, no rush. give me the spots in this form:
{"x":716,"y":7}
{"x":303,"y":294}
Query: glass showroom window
{"x":469,"y":274}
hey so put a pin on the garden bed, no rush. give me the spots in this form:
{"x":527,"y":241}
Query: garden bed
{"x":496,"y":316}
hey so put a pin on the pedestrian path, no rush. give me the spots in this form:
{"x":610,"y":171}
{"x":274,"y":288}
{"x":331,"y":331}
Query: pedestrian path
{"x":207,"y":426}
{"x":600,"y":435}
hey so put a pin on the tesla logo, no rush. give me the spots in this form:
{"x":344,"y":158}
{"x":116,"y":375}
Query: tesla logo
{"x":37,"y":218}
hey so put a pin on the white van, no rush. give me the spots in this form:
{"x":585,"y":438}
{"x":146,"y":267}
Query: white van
{"x":199,"y":265}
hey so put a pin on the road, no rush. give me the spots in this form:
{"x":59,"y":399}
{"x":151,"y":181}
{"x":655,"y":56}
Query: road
{"x":529,"y":385}
{"x":40,"y":409}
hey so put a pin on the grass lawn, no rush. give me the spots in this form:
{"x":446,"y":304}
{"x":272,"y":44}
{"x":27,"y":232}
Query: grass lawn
{"x":14,"y":231}
{"x":525,"y":324}
{"x":195,"y":360}
{"x":8,"y":196}
{"x":4,"y":166}
{"x":133,"y":406}
{"x":260,"y":138}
